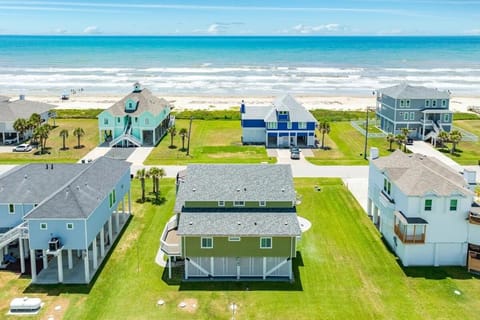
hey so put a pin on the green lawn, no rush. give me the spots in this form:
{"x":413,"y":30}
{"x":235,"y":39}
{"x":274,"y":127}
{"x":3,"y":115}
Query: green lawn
{"x":213,"y":141}
{"x":343,"y":271}
{"x":347,"y":146}
{"x":54,"y":144}
{"x":468,"y":153}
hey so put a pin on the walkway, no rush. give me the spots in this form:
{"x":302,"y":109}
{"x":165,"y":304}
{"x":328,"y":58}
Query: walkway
{"x":428,"y":150}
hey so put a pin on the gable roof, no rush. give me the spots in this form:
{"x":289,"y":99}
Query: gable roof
{"x":84,"y":192}
{"x":255,"y":112}
{"x":417,"y":175}
{"x":236,"y":182}
{"x":13,"y":110}
{"x":406,"y":91}
{"x":146,"y":101}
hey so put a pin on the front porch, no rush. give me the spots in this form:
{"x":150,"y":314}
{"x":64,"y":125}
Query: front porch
{"x":409,"y":230}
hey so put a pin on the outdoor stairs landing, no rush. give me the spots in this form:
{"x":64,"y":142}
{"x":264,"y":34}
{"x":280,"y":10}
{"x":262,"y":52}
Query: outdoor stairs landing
{"x":20,"y":231}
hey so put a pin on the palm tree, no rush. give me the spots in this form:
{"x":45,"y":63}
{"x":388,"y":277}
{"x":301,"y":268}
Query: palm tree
{"x":41,"y":134}
{"x":78,"y":132}
{"x":400,"y":140}
{"x":156,"y":174}
{"x":455,"y":137}
{"x":405,"y":132}
{"x":142,"y":175}
{"x":443,"y":137}
{"x":390,"y":140}
{"x":324,"y":129}
{"x":35,"y":120}
{"x":20,"y":125}
{"x":183,"y":133}
{"x":173,"y":132}
{"x":64,"y":135}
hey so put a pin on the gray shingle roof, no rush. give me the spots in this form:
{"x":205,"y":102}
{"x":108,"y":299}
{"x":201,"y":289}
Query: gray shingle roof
{"x":406,"y":91}
{"x":239,"y":224}
{"x":13,"y":110}
{"x":82,"y":194}
{"x":236,"y":182}
{"x":417,"y":175}
{"x":146,"y":102}
{"x":255,"y":112}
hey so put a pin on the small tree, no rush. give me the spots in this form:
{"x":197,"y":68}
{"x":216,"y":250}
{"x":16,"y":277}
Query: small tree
{"x":142,"y":175}
{"x":64,"y":135}
{"x":400,"y":140}
{"x":390,"y":140}
{"x":35,"y":120}
{"x":78,"y":132}
{"x":21,"y":126}
{"x":324,"y":129}
{"x":156,"y":174}
{"x":443,"y":137}
{"x":41,"y":133}
{"x":173,"y":132}
{"x":455,"y":137}
{"x":183,"y":133}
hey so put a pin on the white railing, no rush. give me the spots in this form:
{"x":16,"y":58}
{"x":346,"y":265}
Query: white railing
{"x":127,"y":137}
{"x":20,"y":231}
{"x":169,"y":248}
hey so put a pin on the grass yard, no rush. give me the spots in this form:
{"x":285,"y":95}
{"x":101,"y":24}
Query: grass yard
{"x":468,"y":153}
{"x":343,"y":271}
{"x":346,"y":146}
{"x":54,"y":144}
{"x":213,"y":141}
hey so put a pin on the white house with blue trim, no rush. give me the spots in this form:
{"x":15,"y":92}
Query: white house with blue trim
{"x":285,"y":123}
{"x":64,"y":217}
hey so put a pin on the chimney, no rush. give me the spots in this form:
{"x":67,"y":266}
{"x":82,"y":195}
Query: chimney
{"x":242,"y":107}
{"x":21,"y":97}
{"x":374,"y":153}
{"x":470,"y":177}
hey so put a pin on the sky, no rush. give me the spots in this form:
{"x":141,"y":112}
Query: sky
{"x":228,"y":17}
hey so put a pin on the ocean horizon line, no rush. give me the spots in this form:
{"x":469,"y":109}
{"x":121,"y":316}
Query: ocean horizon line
{"x":247,"y":35}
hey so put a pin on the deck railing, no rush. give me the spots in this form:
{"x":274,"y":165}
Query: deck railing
{"x":170,"y":248}
{"x":409,"y":238}
{"x":474,"y":218}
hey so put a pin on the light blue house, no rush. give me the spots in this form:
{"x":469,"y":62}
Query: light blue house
{"x":65,"y":214}
{"x":285,"y":123}
{"x":139,"y":119}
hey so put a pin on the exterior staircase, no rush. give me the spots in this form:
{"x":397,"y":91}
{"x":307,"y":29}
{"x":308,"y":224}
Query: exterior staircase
{"x":126,"y":136}
{"x":20,"y":231}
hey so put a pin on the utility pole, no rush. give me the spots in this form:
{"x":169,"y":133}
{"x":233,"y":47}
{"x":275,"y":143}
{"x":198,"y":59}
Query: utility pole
{"x":189,"y":135}
{"x":366,"y":137}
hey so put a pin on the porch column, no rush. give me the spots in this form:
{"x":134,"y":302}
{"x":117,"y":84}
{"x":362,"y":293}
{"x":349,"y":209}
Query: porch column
{"x":60,"y":266}
{"x":169,"y":267}
{"x":278,"y":139}
{"x":264,"y":268}
{"x":123,"y":205}
{"x":79,"y":253}
{"x":70,"y":259}
{"x":26,"y":248}
{"x":375,"y":214}
{"x":102,"y":241}
{"x":5,"y":249}
{"x":369,"y":206}
{"x":110,"y":232}
{"x":186,"y":269}
{"x":129,"y":203}
{"x":22,"y":255}
{"x":435,"y":255}
{"x":33,"y":265}
{"x":117,"y":221}
{"x":86,"y":266}
{"x":94,"y":252}
{"x":290,"y":273}
{"x":45,"y":260}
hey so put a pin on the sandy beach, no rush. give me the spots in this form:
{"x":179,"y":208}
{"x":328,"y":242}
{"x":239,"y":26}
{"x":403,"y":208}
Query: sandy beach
{"x":103,"y":101}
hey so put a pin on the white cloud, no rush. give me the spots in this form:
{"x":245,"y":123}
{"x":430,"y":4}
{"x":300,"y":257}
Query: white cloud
{"x":323,"y":28}
{"x":60,"y":31}
{"x":472,"y":32}
{"x":214,"y":28}
{"x":92,"y":30}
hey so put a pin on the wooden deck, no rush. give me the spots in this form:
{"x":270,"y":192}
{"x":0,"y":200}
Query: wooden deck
{"x":410,"y":239}
{"x":171,"y":243}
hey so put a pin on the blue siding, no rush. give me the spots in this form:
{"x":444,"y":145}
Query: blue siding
{"x":69,"y":239}
{"x":253,"y":123}
{"x":311,"y":126}
{"x":282,"y":117}
{"x":11,"y":220}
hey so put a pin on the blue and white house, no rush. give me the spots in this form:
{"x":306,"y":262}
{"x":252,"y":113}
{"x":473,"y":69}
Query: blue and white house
{"x":64,"y":217}
{"x":285,"y":123}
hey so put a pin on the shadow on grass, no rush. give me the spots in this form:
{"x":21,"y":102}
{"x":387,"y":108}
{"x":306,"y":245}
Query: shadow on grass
{"x":231,"y":284}
{"x":156,"y":202}
{"x":57,"y":289}
{"x":172,"y":147}
{"x":456,"y":153}
{"x":79,"y":147}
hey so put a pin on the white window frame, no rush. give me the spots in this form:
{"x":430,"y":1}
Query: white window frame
{"x":272,"y":125}
{"x":444,"y":103}
{"x":221,"y":203}
{"x":11,"y":205}
{"x":450,"y":205}
{"x":43,"y":226}
{"x":402,"y":103}
{"x":407,"y":103}
{"x":434,"y":103}
{"x":147,"y":121}
{"x":68,"y":224}
{"x":266,"y":238}
{"x":427,"y":103}
{"x":239,"y":203}
{"x":105,"y":121}
{"x":234,"y":239}
{"x":302,"y":125}
{"x":425,"y":205}
{"x":446,"y":117}
{"x":262,"y":203}
{"x":206,"y":238}
{"x":412,"y":115}
{"x":289,"y":125}
{"x":405,"y":116}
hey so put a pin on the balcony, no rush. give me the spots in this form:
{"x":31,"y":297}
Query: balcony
{"x":170,"y":241}
{"x":474,"y":218}
{"x":410,"y":238}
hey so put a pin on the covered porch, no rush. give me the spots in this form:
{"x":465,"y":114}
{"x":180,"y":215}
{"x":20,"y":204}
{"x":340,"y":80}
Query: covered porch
{"x":409,"y":230}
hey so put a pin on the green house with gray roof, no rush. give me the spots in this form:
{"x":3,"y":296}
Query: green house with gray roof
{"x":233,"y":222}
{"x":139,"y":119}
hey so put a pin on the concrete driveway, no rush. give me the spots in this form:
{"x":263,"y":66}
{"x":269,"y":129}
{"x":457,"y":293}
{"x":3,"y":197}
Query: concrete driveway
{"x":428,"y":150}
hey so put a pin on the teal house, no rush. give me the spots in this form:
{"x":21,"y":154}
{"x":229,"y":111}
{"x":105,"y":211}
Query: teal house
{"x":139,"y":119}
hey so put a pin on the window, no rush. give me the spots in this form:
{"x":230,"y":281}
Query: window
{"x":136,"y":119}
{"x":207,"y":243}
{"x":446,"y":117}
{"x":147,"y":121}
{"x":239,"y":203}
{"x":444,"y":103}
{"x":405,"y":116}
{"x":387,"y":186}
{"x":427,"y":103}
{"x":408,"y":103}
{"x":262,"y":203}
{"x":289,"y":125}
{"x":271,"y":125}
{"x":434,"y":103}
{"x":402,"y":103}
{"x":43,"y":226}
{"x":412,"y":115}
{"x":221,"y":203}
{"x":266,"y":243}
{"x":11,"y":208}
{"x":453,"y":204}
{"x":112,"y":197}
{"x":302,"y":125}
{"x":105,"y":121}
{"x":428,"y":205}
{"x":69,"y":226}
{"x":118,"y":119}
{"x":234,"y":239}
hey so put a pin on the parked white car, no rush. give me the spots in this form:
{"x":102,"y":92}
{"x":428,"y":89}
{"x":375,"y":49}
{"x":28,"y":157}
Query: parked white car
{"x":24,"y":147}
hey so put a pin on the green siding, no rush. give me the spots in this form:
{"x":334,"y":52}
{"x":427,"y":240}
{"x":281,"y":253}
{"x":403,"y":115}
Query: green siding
{"x":246,"y":247}
{"x":229,"y":204}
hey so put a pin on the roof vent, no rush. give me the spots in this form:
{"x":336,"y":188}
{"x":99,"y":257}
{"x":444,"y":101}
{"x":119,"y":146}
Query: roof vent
{"x":239,"y":223}
{"x":78,"y":187}
{"x":244,"y":189}
{"x":25,"y":176}
{"x":286,"y":223}
{"x":190,"y":223}
{"x":194,"y":189}
{"x":238,"y":189}
{"x":255,"y":223}
{"x":283,"y":189}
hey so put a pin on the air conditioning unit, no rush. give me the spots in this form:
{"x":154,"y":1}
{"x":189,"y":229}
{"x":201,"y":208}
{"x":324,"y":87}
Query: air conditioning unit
{"x":54,"y":244}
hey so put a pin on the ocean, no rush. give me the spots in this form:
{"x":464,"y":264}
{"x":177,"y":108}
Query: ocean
{"x":237,"y":65}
